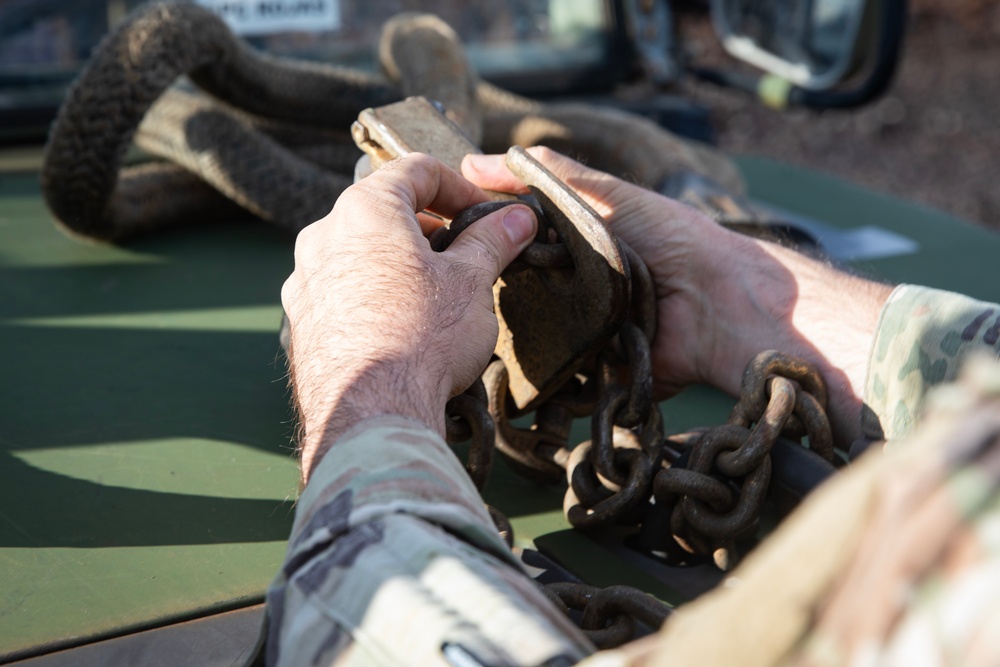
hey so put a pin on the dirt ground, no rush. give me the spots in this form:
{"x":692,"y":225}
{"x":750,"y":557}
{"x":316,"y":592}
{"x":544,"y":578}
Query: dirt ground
{"x":933,"y":138}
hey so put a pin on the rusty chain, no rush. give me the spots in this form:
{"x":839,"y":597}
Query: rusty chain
{"x":693,"y":496}
{"x":608,"y":616}
{"x":577,"y":316}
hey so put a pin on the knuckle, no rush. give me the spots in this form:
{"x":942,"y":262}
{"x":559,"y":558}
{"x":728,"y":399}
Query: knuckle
{"x":305,"y":242}
{"x":544,"y":154}
{"x":306,"y":235}
{"x":356,"y":196}
{"x":412,"y":165}
{"x":369,"y":202}
{"x":421,"y":161}
{"x":289,"y":290}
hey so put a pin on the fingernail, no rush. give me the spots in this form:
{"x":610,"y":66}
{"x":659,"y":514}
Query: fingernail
{"x":519,"y":223}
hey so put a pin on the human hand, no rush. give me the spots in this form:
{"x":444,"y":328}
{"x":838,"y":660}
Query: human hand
{"x":380,"y":323}
{"x":669,"y":236}
{"x":723,"y":297}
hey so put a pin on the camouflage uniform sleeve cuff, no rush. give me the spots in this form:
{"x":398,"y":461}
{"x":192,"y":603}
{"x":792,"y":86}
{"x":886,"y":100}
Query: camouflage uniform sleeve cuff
{"x":394,"y":560}
{"x":390,"y":464}
{"x":923,"y":335}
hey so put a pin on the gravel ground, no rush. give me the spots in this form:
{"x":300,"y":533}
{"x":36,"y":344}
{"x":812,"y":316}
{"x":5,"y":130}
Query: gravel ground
{"x":933,"y":138}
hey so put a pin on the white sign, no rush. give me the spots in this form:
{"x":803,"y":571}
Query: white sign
{"x":263,"y":17}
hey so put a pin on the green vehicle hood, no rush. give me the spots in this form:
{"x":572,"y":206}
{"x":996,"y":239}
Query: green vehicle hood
{"x":147,"y":472}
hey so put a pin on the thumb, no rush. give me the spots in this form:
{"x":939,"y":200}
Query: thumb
{"x":493,"y":241}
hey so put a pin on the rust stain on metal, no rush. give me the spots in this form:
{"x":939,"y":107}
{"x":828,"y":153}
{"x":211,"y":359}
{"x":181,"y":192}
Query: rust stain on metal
{"x":414,"y":125}
{"x":551,"y":317}
{"x":551,"y":320}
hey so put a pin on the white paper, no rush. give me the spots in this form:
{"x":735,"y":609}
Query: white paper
{"x":264,"y":17}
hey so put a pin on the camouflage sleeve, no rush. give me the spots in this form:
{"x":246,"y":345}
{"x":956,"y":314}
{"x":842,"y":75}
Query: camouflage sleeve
{"x":922,"y":337}
{"x":393,"y":560}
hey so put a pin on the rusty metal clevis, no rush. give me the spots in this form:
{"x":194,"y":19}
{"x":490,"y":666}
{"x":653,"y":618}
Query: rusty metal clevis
{"x":561,"y":302}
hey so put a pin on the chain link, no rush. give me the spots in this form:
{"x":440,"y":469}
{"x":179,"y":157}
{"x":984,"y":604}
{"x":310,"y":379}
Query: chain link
{"x":694,"y":496}
{"x":609,"y":616}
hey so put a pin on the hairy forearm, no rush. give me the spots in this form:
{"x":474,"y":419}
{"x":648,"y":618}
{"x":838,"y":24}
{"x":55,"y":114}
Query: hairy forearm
{"x":723,"y":297}
{"x":330,"y":398}
{"x":781,"y":299}
{"x":380,"y":323}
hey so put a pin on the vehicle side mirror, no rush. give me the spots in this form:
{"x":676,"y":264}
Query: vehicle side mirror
{"x":827,"y":53}
{"x":815,"y":44}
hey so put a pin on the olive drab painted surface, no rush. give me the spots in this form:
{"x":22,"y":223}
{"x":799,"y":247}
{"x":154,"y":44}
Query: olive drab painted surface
{"x":180,"y":502}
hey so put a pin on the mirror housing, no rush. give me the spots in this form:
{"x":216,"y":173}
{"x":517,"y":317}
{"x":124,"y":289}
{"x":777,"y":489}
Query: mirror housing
{"x":814,"y":44}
